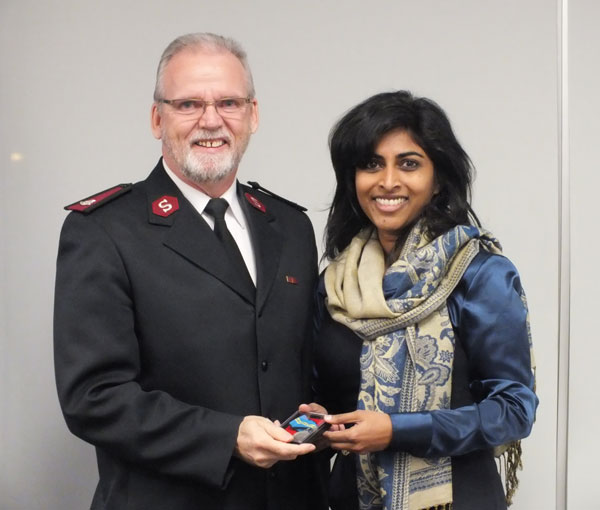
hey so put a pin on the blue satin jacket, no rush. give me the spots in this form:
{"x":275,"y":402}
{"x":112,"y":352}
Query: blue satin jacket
{"x":490,"y":322}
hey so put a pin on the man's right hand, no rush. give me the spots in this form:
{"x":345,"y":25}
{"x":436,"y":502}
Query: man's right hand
{"x":262,"y":443}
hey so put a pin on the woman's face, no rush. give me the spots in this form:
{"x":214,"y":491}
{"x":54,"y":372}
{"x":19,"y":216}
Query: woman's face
{"x":397,"y":184}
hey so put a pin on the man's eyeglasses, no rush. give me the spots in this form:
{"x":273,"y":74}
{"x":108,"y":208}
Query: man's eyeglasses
{"x":226,"y":107}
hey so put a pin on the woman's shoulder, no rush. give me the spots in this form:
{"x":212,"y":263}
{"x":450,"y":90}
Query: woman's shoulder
{"x":489,"y":276}
{"x":486,"y":265}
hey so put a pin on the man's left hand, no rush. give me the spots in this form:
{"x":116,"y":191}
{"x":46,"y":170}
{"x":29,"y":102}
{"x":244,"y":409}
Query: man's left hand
{"x":263,"y":443}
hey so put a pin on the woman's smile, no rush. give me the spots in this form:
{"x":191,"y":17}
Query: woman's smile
{"x":395,"y":186}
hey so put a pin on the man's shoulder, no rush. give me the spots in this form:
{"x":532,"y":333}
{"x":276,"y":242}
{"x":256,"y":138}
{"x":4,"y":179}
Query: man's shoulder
{"x":99,"y":199}
{"x":259,"y":197}
{"x":120,"y":195}
{"x":289,"y":219}
{"x":117,"y":200}
{"x":119,"y":207}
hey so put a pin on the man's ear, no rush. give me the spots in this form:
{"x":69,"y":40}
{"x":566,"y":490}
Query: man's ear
{"x":155,"y":120}
{"x":255,"y":116}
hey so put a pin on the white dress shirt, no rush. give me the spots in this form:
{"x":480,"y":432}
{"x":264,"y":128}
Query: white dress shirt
{"x":234,"y":216}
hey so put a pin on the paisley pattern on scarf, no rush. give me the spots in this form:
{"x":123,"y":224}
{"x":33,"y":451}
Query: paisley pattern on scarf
{"x":408,"y":346}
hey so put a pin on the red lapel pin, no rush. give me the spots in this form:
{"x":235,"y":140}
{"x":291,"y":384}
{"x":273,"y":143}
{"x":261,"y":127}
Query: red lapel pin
{"x":291,"y":279}
{"x":165,"y":206}
{"x":255,"y":202}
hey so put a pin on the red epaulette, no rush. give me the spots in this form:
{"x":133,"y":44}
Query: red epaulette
{"x":87,"y":205}
{"x":258,"y":187}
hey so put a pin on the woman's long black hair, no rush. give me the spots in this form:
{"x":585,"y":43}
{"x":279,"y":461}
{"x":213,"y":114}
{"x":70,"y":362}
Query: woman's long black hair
{"x":352,"y":143}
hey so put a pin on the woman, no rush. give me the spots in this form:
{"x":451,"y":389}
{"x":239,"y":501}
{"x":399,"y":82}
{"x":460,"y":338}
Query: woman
{"x":422,"y":337}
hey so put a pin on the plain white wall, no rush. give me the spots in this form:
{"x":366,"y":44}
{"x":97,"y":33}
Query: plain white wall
{"x":76,"y":85}
{"x":584,"y":111}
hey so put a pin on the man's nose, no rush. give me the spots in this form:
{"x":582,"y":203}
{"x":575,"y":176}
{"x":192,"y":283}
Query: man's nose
{"x":210,"y":119}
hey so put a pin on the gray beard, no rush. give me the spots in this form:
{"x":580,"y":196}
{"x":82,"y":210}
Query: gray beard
{"x":207,"y":168}
{"x":200,"y":169}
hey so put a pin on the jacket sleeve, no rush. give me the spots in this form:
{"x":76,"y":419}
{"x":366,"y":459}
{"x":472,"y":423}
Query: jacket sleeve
{"x":490,"y":319}
{"x":97,"y":364}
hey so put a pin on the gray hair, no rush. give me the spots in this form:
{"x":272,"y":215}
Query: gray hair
{"x":203,"y":41}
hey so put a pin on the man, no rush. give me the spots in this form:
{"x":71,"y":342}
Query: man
{"x":178,"y":347}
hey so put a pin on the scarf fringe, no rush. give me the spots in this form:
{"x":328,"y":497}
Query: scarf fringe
{"x":510,"y":462}
{"x":510,"y":458}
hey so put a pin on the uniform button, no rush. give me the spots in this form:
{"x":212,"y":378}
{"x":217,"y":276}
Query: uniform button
{"x":264,"y":365}
{"x":477,"y":390}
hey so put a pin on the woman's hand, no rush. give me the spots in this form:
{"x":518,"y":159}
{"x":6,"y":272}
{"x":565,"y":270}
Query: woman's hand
{"x":313,"y":407}
{"x":371,"y":432}
{"x":321,"y":443}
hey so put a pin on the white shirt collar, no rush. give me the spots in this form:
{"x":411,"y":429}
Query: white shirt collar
{"x":200,"y":199}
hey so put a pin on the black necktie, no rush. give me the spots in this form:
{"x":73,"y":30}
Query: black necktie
{"x":216,"y":208}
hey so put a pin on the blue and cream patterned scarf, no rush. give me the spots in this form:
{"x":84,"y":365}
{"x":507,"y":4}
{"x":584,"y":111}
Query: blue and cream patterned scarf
{"x":408,"y":348}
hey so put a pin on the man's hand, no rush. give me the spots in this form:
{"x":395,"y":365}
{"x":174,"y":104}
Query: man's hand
{"x":371,"y":432}
{"x":313,"y":407}
{"x":262,"y":443}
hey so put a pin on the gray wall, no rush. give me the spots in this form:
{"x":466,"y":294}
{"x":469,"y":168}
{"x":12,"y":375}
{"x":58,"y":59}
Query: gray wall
{"x":76,"y":85}
{"x":582,"y":138}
